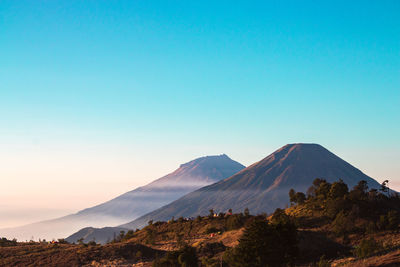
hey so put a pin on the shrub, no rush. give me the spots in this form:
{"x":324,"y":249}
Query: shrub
{"x":92,"y":243}
{"x":150,"y":236}
{"x":234,"y":222}
{"x":246,"y":212}
{"x":279,"y":216}
{"x":323,"y":262}
{"x":393,"y":220}
{"x":4,"y":242}
{"x":211,"y":214}
{"x":367,"y":247}
{"x":342,"y":224}
{"x":185,"y":257}
{"x":211,"y":230}
{"x":334,"y":206}
{"x":211,"y":249}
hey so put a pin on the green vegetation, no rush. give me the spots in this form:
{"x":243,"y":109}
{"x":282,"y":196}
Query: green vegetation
{"x":185,"y":257}
{"x":323,"y":262}
{"x":4,"y":242}
{"x":265,"y":243}
{"x":356,"y":211}
{"x":367,"y":247}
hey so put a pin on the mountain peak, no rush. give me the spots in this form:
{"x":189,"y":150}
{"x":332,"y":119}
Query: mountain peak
{"x":264,"y":186}
{"x":207,"y":159}
{"x":202,"y":171}
{"x":302,"y":146}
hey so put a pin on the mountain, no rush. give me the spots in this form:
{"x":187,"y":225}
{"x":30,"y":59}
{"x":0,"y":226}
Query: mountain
{"x":263,"y":186}
{"x":126,"y":207}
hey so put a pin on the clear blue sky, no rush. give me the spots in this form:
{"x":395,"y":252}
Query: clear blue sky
{"x":131,"y":89}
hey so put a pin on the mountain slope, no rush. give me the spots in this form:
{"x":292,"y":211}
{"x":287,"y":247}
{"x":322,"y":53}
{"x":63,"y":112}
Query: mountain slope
{"x":187,"y":178}
{"x":263,"y":186}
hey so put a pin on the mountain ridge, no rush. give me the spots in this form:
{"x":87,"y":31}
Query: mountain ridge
{"x":266,"y":182}
{"x":132,"y":204}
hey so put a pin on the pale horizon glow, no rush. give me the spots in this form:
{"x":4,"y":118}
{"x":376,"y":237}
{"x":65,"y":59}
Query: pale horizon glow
{"x":98,"y":98}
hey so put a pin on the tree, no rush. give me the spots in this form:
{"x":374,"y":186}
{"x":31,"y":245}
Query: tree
{"x":280,"y":217}
{"x":211,"y":213}
{"x":359,"y":191}
{"x":264,"y":244}
{"x":246,"y":212}
{"x":292,"y":196}
{"x":296,"y":198}
{"x":323,"y":262}
{"x":234,"y":222}
{"x":121,"y":235}
{"x":150,"y":236}
{"x":319,"y":189}
{"x":384,"y":187}
{"x":311,"y":191}
{"x":323,"y":189}
{"x":300,"y":197}
{"x":362,"y":186}
{"x":367,"y":247}
{"x":342,"y":224}
{"x":393,"y":220}
{"x":188,"y":257}
{"x":338,"y":190}
{"x":185,"y":257}
{"x":334,"y":206}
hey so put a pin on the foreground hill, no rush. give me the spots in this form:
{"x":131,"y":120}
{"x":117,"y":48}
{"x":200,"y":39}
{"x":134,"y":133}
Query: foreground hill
{"x":187,"y":178}
{"x":332,"y":226}
{"x":263,"y":186}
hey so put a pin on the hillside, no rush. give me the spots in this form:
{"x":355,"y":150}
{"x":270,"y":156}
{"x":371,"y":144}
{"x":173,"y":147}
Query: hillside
{"x":331,"y":226}
{"x":187,"y":178}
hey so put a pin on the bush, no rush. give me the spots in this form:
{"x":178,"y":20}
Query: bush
{"x":92,"y":243}
{"x":62,"y":241}
{"x":323,"y":262}
{"x":393,"y":220}
{"x":296,"y":198}
{"x":185,"y":257}
{"x":4,"y":242}
{"x":334,"y":206}
{"x":128,"y":235}
{"x":342,"y":224}
{"x":211,"y":249}
{"x":280,"y":217}
{"x":234,"y":222}
{"x":211,"y":230}
{"x":367,"y":247}
{"x":246,"y":212}
{"x":150,"y":236}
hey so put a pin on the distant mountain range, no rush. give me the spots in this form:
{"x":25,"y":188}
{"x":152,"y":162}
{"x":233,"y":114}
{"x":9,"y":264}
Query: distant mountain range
{"x":261,"y":187}
{"x":126,"y":207}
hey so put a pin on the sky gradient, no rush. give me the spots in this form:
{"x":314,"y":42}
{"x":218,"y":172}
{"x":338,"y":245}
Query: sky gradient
{"x":99,"y":97}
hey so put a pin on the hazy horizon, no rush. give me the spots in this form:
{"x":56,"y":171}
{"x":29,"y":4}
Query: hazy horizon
{"x":98,"y":98}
